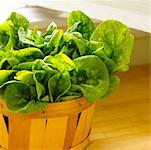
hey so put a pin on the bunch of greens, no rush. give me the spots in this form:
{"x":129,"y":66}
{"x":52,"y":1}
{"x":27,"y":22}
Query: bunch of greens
{"x":39,"y":68}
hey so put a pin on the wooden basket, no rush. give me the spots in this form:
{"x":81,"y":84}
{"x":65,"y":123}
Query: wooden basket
{"x":61,"y":126}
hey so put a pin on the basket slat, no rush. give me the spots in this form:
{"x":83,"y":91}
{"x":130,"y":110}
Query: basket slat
{"x":3,"y":133}
{"x":79,"y":136}
{"x":19,"y":133}
{"x":55,"y":133}
{"x":71,"y":130}
{"x":82,"y":145}
{"x":89,"y":120}
{"x":37,"y":132}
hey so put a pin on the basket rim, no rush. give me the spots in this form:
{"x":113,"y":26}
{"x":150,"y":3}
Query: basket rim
{"x":56,"y":109}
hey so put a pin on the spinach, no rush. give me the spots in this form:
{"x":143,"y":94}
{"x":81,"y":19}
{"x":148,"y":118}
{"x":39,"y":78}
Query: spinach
{"x":37,"y":68}
{"x":50,"y":29}
{"x":7,"y":40}
{"x":86,"y":26}
{"x":25,"y":76}
{"x":97,"y":78}
{"x":17,"y":95}
{"x":6,"y":75}
{"x":118,"y":42}
{"x":18,"y":20}
{"x":53,"y":44}
{"x":58,"y":85}
{"x":32,"y":38}
{"x":114,"y":82}
{"x":62,"y":62}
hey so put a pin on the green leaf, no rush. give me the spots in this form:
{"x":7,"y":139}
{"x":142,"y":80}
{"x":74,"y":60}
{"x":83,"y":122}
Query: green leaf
{"x":50,"y":29}
{"x":32,"y":38}
{"x":110,"y":64}
{"x":15,"y":57}
{"x":67,"y":98}
{"x":81,"y":44}
{"x":23,"y":36}
{"x":118,"y":42}
{"x":63,"y":85}
{"x":6,"y":75}
{"x":30,"y":53}
{"x":52,"y":84}
{"x":7,"y":40}
{"x":17,"y":95}
{"x":96,"y":82}
{"x":58,"y":85}
{"x":93,"y":46}
{"x":25,"y":76}
{"x":19,"y":20}
{"x":62,"y":62}
{"x":86,"y":25}
{"x":2,"y":63}
{"x":74,"y":27}
{"x":39,"y":87}
{"x":114,"y":82}
{"x":33,"y":106}
{"x":53,"y":44}
{"x":24,"y":66}
{"x":48,"y":59}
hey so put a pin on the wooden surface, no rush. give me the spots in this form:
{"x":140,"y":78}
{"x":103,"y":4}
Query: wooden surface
{"x":122,"y":121}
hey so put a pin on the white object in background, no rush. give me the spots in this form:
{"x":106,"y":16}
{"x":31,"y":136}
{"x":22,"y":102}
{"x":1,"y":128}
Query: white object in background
{"x":134,"y":19}
{"x":133,"y":13}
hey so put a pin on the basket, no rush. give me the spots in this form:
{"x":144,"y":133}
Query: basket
{"x":61,"y":126}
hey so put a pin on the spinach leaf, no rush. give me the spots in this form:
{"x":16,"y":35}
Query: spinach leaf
{"x":62,"y":62}
{"x":86,"y":26}
{"x":25,"y":76}
{"x":114,"y":82}
{"x":50,"y":29}
{"x":33,"y":106}
{"x":19,"y":20}
{"x":39,"y":87}
{"x":6,"y":75}
{"x":32,"y":38}
{"x":7,"y":40}
{"x":58,"y":86}
{"x":17,"y":95}
{"x":20,"y":100}
{"x":52,"y":84}
{"x":110,"y":64}
{"x":74,"y":27}
{"x":24,"y":66}
{"x":96,"y":83}
{"x":3,"y":63}
{"x":53,"y":44}
{"x":15,"y":57}
{"x":118,"y":42}
{"x":81,"y":45}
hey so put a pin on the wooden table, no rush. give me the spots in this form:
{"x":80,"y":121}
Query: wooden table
{"x":122,"y":121}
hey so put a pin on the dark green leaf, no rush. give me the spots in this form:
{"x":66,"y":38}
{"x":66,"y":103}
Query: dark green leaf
{"x":97,"y":78}
{"x":86,"y":25}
